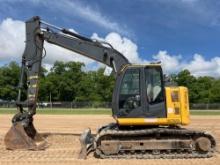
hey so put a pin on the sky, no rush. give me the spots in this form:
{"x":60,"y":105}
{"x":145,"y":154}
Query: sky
{"x":182,"y":34}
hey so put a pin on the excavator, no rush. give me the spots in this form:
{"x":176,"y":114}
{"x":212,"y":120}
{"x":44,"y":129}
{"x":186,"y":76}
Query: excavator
{"x":148,"y":114}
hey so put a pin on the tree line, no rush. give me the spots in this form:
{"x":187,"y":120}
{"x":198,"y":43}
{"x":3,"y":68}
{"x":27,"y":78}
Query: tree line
{"x":70,"y":82}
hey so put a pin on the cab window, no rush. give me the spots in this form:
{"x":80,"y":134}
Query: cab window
{"x":154,"y":85}
{"x":129,"y":97}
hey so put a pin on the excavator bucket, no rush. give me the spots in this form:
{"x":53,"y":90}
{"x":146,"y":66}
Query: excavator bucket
{"x":27,"y":138}
{"x":86,"y":140}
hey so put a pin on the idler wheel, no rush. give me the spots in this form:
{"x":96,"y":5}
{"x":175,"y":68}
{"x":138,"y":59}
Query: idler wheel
{"x":203,"y":144}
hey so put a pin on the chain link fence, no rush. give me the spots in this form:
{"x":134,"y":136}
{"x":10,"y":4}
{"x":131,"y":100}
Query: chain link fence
{"x":7,"y":104}
{"x":203,"y":106}
{"x":74,"y":105}
{"x":12,"y":104}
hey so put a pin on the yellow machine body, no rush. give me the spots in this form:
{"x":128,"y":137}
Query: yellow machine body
{"x":177,"y":108}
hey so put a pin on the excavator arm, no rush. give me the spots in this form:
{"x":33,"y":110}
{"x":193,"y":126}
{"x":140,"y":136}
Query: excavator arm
{"x":37,"y":32}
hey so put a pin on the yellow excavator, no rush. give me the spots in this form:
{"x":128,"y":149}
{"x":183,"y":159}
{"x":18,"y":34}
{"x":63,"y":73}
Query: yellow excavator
{"x":148,"y":114}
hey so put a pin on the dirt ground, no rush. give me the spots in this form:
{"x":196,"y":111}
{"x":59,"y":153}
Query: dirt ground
{"x":64,"y":144}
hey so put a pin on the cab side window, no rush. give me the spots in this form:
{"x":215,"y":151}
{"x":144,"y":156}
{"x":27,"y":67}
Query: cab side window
{"x":129,"y":98}
{"x":154,"y":85}
{"x":130,"y":83}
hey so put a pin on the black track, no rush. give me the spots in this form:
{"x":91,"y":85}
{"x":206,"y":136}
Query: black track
{"x":112,"y":132}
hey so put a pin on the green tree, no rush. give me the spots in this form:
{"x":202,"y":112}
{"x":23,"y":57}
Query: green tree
{"x":9,"y":78}
{"x":215,"y":92}
{"x":105,"y":85}
{"x":95,"y":86}
{"x":69,"y":82}
{"x":203,"y":89}
{"x":203,"y":86}
{"x":62,"y":82}
{"x":184,"y":78}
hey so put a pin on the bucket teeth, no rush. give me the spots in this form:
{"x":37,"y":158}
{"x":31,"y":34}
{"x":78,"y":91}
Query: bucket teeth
{"x":20,"y":137}
{"x":86,"y":141}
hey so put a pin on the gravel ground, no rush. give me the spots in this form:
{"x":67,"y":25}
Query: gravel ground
{"x":64,"y":131}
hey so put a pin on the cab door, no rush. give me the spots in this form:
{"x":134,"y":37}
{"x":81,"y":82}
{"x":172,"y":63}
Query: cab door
{"x":128,"y":94}
{"x":154,"y":92}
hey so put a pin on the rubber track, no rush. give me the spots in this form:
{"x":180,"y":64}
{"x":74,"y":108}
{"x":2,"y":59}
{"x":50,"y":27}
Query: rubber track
{"x":179,"y":154}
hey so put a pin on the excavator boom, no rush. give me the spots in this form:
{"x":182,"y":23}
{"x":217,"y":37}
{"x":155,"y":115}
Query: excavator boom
{"x":23,"y":134}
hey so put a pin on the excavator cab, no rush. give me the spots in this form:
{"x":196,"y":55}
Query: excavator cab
{"x":139,"y":93}
{"x":140,"y":98}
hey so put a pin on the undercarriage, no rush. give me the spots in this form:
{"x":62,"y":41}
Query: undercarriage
{"x":116,"y":142}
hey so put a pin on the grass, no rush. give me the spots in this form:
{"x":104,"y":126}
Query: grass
{"x":64,"y":111}
{"x":205,"y":112}
{"x":93,"y":111}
